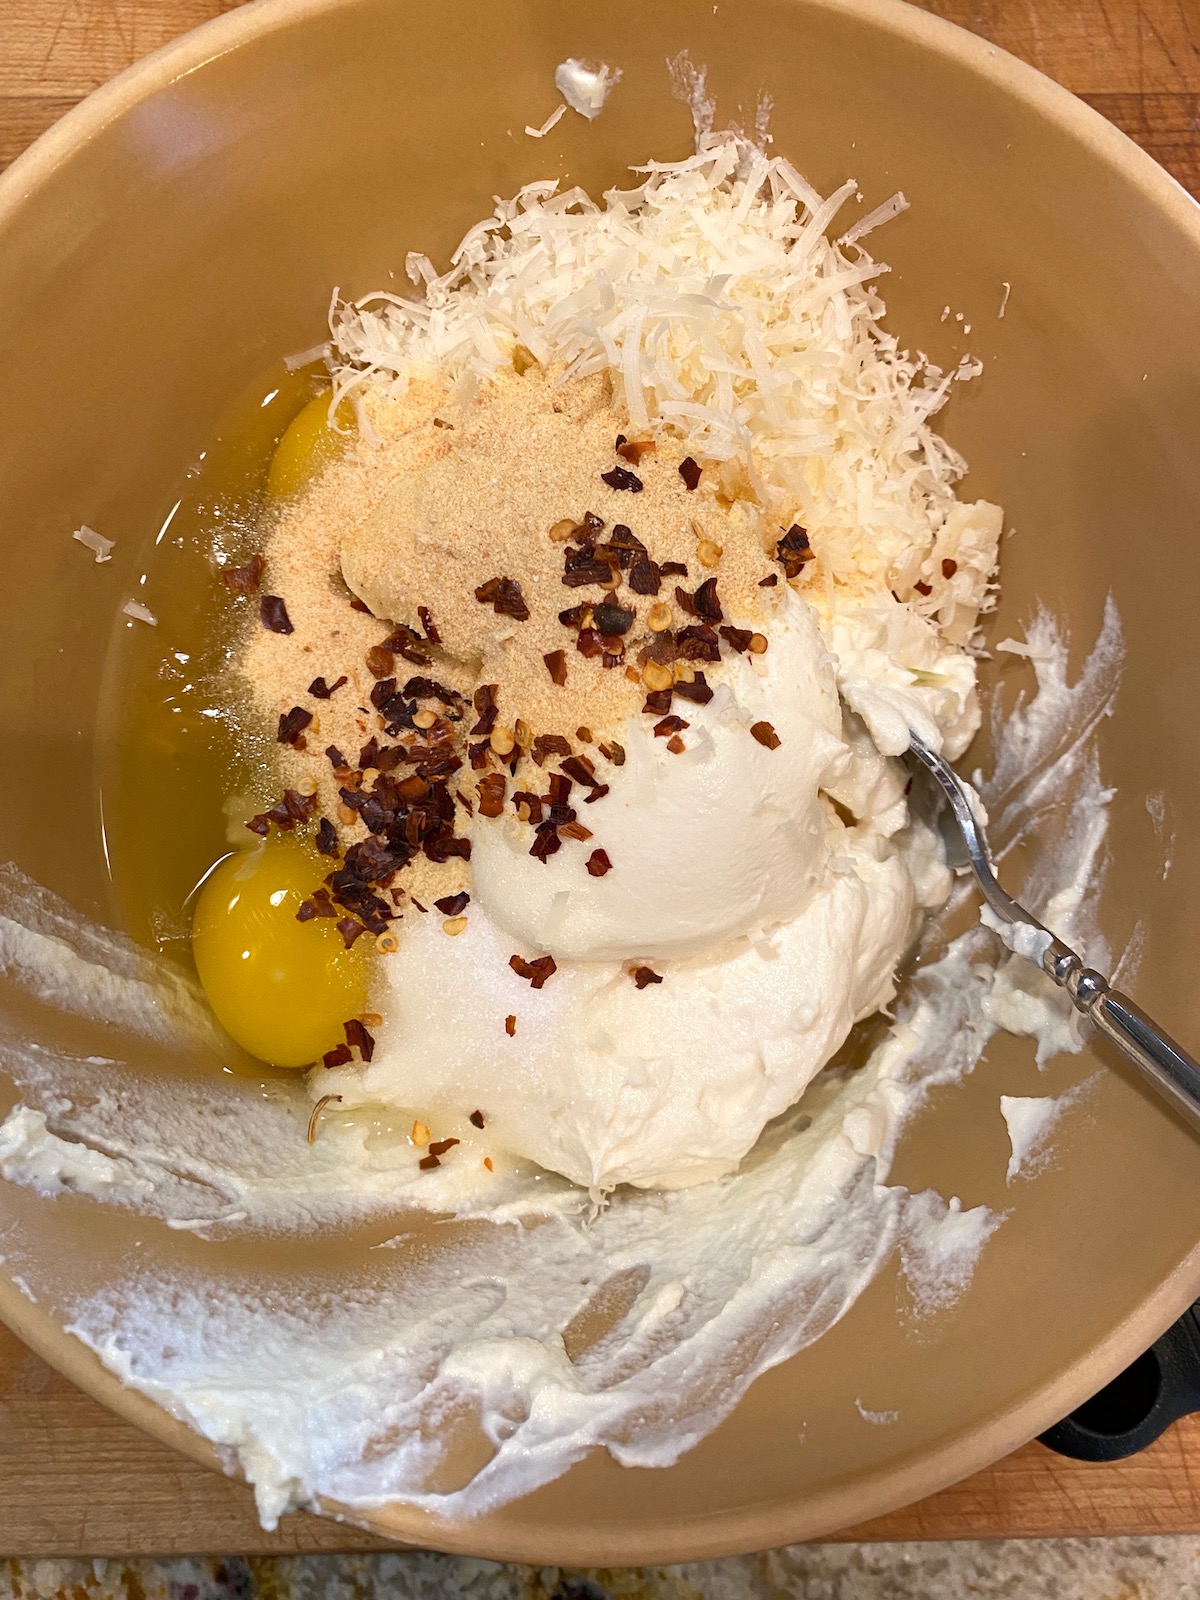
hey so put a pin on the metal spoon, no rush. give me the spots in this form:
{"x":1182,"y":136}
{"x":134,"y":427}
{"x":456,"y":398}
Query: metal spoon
{"x":1156,"y":1056}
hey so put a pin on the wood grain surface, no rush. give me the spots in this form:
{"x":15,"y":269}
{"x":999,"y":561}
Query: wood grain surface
{"x":75,"y":1480}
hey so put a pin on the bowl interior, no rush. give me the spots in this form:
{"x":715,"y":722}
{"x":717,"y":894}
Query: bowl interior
{"x":185,"y":229}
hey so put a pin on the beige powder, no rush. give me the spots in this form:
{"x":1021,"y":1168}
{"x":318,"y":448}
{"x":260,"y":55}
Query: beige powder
{"x":447,"y":499}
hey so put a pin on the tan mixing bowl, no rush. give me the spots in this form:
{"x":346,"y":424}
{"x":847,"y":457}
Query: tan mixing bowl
{"x":183,"y":228}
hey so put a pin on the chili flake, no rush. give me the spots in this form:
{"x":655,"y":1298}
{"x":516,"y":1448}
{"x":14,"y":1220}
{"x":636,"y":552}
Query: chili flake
{"x":274,"y":615}
{"x":505,"y":598}
{"x":766,"y":735}
{"x":245,"y":580}
{"x":536,"y":971}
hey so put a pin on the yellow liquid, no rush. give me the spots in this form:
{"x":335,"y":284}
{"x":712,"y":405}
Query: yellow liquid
{"x":174,"y":753}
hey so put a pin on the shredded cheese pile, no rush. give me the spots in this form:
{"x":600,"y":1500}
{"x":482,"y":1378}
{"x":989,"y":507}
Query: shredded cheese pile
{"x":725,"y":316}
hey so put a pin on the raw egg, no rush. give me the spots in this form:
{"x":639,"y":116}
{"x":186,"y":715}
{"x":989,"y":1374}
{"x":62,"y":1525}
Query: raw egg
{"x":308,"y":446}
{"x":281,"y":988}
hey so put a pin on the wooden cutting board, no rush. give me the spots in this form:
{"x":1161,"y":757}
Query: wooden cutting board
{"x":75,"y":1480}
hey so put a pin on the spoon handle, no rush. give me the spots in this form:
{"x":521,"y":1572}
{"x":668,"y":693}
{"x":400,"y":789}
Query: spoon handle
{"x":1155,"y":1054}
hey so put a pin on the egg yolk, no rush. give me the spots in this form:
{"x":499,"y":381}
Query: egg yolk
{"x":308,"y":446}
{"x":281,"y":988}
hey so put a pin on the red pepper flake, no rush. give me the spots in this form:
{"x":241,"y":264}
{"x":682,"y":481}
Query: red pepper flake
{"x":598,"y":863}
{"x":613,"y":752}
{"x":274,"y":615}
{"x":360,"y":605}
{"x":440,"y":1146}
{"x":380,"y":662}
{"x":549,"y":744}
{"x":737,"y":638}
{"x":644,"y":576}
{"x":335,"y":757}
{"x":674,"y":569}
{"x":285,"y":813}
{"x":706,"y":602}
{"x":612,"y":619}
{"x":510,"y":1026}
{"x":546,"y":843}
{"x":676,"y":745}
{"x":658,"y":701}
{"x":452,"y":905}
{"x":949,"y":568}
{"x":923,"y":588}
{"x":350,"y":929}
{"x":358,"y":1037}
{"x":580,"y":770}
{"x":484,"y":701}
{"x":429,"y":625}
{"x":596,"y":794}
{"x":292,"y":724}
{"x":685,"y":602}
{"x":319,"y":906}
{"x":793,"y":550}
{"x":536,"y":971}
{"x":669,"y":725}
{"x":476,"y":1117}
{"x":632,"y":450}
{"x":622,"y":478}
{"x":643,"y":976}
{"x":407,"y":642}
{"x":769,"y":582}
{"x":697,"y":642}
{"x":697,"y":691}
{"x":574,"y":830}
{"x":766,"y":735}
{"x":427,"y":1163}
{"x":245,"y":580}
{"x":491,"y":799}
{"x":414,"y":901}
{"x":320,"y":690}
{"x":327,"y":839}
{"x":527,"y":806}
{"x":583,"y":567}
{"x":505,"y":598}
{"x":556,"y":666}
{"x":689,"y":471}
{"x":338,"y":1056}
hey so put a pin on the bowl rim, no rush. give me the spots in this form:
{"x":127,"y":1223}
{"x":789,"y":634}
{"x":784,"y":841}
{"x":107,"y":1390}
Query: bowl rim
{"x":868,"y":1496}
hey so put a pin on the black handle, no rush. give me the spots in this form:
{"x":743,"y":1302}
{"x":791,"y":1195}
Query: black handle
{"x":1161,"y":1386}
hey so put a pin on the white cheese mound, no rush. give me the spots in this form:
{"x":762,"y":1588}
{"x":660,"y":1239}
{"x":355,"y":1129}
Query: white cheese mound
{"x":723,"y":315}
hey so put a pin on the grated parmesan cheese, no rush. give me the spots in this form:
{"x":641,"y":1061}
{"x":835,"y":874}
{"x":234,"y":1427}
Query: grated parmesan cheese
{"x":875,"y":219}
{"x":139,"y":613}
{"x":723,"y":314}
{"x":551,"y":121}
{"x":100,"y":547}
{"x":585,"y":85}
{"x":305,"y":358}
